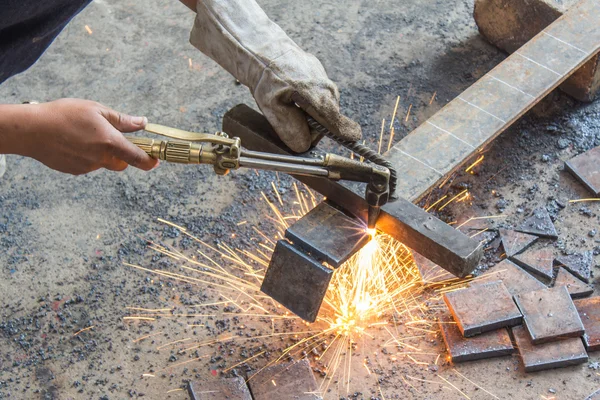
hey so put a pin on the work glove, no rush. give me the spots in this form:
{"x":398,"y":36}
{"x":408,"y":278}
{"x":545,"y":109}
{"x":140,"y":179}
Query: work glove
{"x":239,"y":36}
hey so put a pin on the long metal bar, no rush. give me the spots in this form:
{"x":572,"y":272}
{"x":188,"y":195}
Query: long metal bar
{"x":287,"y":168}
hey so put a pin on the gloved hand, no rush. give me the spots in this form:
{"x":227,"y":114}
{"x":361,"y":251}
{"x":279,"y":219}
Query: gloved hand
{"x":239,"y":36}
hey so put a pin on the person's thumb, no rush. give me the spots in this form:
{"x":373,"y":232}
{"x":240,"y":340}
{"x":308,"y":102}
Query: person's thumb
{"x":124,"y":122}
{"x":131,"y":154}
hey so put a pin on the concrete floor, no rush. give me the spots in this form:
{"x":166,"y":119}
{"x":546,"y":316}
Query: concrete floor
{"x":63,"y":239}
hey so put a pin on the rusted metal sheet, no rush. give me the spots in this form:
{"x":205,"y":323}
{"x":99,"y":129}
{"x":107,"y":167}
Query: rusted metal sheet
{"x":589,"y":312}
{"x":549,"y":315}
{"x":420,"y":231}
{"x":296,"y":280}
{"x":514,"y":278}
{"x":515,"y":242}
{"x":482,"y":308}
{"x":563,"y":353}
{"x":579,"y":265}
{"x":327,"y":234}
{"x":490,"y":344}
{"x":293,"y":380}
{"x":576,"y":287}
{"x":586,"y":168}
{"x":538,"y":262}
{"x":219,"y":389}
{"x":539,"y":224}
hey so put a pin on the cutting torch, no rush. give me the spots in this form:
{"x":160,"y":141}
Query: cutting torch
{"x":225,"y":154}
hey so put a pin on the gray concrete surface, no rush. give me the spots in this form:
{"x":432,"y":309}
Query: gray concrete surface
{"x":63,"y":239}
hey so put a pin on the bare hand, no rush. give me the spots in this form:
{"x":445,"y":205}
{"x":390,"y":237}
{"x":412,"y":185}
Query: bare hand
{"x":79,"y":136}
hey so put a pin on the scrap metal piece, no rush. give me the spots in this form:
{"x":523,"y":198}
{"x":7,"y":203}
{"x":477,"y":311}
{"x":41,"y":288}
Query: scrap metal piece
{"x":327,"y":234}
{"x":482,"y":308}
{"x":589,"y":312}
{"x":515,"y":242}
{"x":538,"y":262}
{"x":430,"y":272}
{"x":549,"y":315}
{"x":487,"y":345}
{"x":563,"y":353}
{"x":594,"y":396}
{"x":296,"y":280}
{"x":293,"y":380}
{"x":420,"y":231}
{"x":539,"y":224}
{"x":515,"y":279}
{"x":579,"y":265}
{"x":586,"y":168}
{"x":219,"y":389}
{"x":576,"y":287}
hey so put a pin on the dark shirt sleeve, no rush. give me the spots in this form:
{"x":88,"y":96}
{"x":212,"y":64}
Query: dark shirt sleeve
{"x":28,"y":27}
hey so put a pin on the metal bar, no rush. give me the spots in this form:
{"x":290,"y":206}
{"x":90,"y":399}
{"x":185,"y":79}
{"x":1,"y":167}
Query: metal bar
{"x":422,"y":232}
{"x":295,"y":169}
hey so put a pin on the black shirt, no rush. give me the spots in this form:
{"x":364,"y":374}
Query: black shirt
{"x":28,"y":27}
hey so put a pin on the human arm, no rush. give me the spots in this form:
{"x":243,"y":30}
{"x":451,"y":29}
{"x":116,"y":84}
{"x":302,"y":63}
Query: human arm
{"x":72,"y":136}
{"x":239,"y":36}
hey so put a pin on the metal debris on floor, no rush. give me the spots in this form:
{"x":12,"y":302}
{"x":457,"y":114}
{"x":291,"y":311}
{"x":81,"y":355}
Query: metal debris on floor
{"x":538,"y":262}
{"x":515,"y":242}
{"x":579,"y":265}
{"x":586,"y":168}
{"x":589,"y":312}
{"x":539,"y":224}
{"x":576,"y":287}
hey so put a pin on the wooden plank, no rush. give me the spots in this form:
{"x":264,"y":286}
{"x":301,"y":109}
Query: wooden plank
{"x":463,"y":127}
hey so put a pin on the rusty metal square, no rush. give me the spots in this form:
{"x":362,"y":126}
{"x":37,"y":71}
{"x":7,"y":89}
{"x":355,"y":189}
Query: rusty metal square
{"x":563,"y":353}
{"x":589,"y":312}
{"x":514,"y":278}
{"x":550,"y":315}
{"x":296,"y":281}
{"x":293,"y":380}
{"x":483,"y":308}
{"x":219,"y":389}
{"x":586,"y":168}
{"x":329,"y":235}
{"x":487,"y":345}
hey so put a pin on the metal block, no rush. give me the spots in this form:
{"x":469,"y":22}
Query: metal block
{"x":538,"y":262}
{"x":487,"y":345}
{"x":539,"y":224}
{"x":515,"y":242}
{"x":549,"y":315}
{"x":420,"y":231}
{"x":430,"y":272}
{"x":219,"y":389}
{"x":329,"y":235}
{"x":296,"y":281}
{"x":586,"y":168}
{"x":482,"y":308}
{"x":293,"y":380}
{"x":579,"y":265}
{"x":589,"y":312}
{"x":563,"y":353}
{"x":515,"y":279}
{"x":576,"y":287}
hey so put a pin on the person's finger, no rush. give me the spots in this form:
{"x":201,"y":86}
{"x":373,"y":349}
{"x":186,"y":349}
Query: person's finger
{"x":124,"y":122}
{"x":116,"y":165}
{"x":131,"y":154}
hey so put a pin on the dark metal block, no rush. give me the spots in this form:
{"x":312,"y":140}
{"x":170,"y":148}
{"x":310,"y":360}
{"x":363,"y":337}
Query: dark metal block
{"x":420,"y":231}
{"x":579,"y":265}
{"x":538,"y":262}
{"x":563,"y":353}
{"x":293,"y":380}
{"x":576,"y":287}
{"x":589,"y":312}
{"x":296,"y":281}
{"x":482,"y":308}
{"x":514,"y":278}
{"x":329,"y":235}
{"x":539,"y":224}
{"x":490,"y":344}
{"x":549,"y":315}
{"x":586,"y":168}
{"x":219,"y":389}
{"x":515,"y":242}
